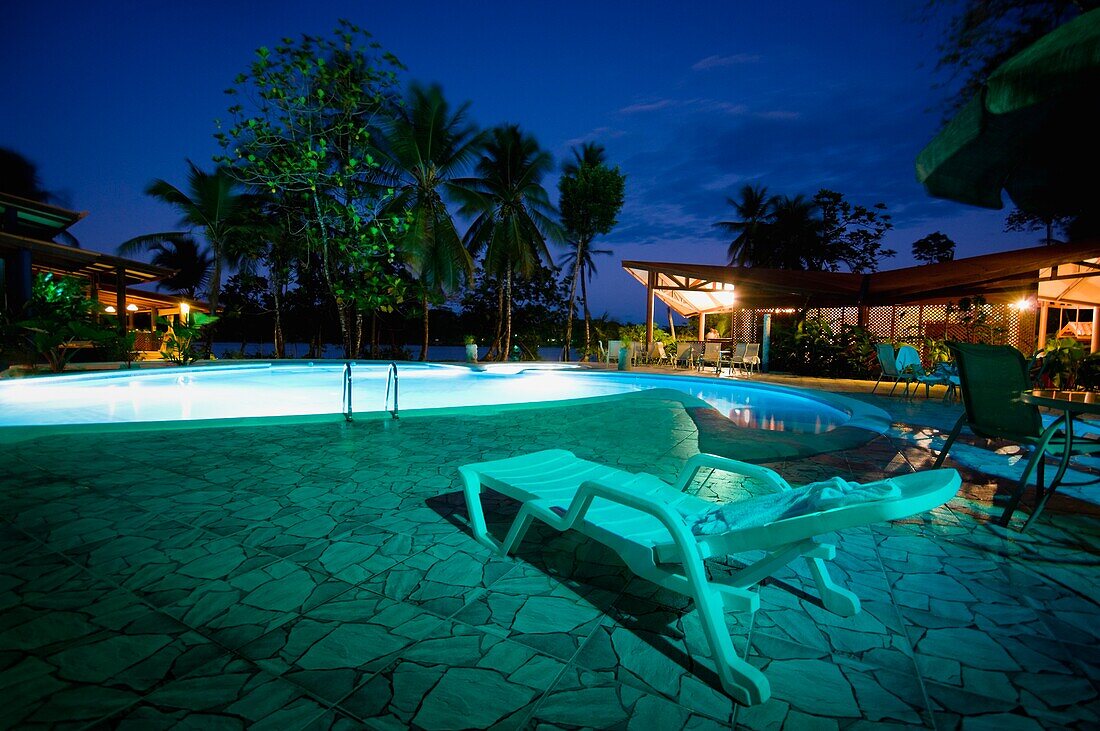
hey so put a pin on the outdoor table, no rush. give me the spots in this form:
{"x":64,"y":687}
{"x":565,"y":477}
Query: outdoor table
{"x":1071,"y":404}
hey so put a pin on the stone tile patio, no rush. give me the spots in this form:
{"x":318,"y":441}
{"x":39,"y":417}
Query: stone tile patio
{"x":322,"y":575}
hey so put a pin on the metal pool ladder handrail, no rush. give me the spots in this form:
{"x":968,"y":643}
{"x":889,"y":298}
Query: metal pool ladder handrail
{"x":347,"y":391}
{"x":392,"y":374}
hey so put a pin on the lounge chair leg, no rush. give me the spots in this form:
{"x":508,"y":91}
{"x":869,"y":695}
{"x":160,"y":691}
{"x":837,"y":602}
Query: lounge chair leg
{"x":836,"y":599}
{"x":517,"y":531}
{"x":742,"y":681}
{"x":471,"y":487}
{"x":950,"y":440}
{"x":1021,"y":487}
{"x":876,"y":383}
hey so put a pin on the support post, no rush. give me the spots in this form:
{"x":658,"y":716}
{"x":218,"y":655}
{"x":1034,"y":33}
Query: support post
{"x":1044,"y":311}
{"x":702,"y":326}
{"x":1094,"y":342}
{"x":650,"y":284}
{"x":120,"y":298}
{"x":766,"y":342}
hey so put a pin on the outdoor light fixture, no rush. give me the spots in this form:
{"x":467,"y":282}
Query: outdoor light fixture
{"x":184,"y":309}
{"x":110,"y":309}
{"x":1023,"y":304}
{"x":131,"y":307}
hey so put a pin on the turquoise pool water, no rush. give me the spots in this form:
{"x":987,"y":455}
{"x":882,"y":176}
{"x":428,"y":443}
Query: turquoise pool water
{"x":261,"y":389}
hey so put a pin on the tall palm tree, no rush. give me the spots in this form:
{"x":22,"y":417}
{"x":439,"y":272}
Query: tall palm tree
{"x":794,"y":235}
{"x":192,"y":263}
{"x":754,"y":212}
{"x":511,"y":212}
{"x":214,"y":203}
{"x":591,"y":198}
{"x":428,"y":145}
{"x":583,"y":261}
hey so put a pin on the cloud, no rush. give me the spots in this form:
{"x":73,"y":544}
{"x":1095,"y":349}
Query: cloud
{"x":714,"y":62}
{"x":647,"y":106}
{"x":599,"y":133}
{"x":778,"y":114}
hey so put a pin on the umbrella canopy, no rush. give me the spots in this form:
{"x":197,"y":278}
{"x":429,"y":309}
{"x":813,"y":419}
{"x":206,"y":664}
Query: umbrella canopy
{"x":1031,"y":131}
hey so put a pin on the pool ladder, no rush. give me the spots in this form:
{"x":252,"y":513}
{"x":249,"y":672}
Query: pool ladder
{"x":391,"y":376}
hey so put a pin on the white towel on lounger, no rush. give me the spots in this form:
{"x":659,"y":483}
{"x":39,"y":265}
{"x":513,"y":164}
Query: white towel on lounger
{"x":813,"y":498}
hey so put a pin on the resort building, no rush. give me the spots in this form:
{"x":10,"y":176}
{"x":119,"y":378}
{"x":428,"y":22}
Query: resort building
{"x":1018,"y":290}
{"x":28,"y":230}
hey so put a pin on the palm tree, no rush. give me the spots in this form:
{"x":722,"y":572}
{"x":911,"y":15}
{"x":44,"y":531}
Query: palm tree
{"x":591,"y":198}
{"x":214,"y":203}
{"x":583,"y":261}
{"x":428,"y":145}
{"x":191,"y":262}
{"x":794,"y":235}
{"x":754,"y":212}
{"x":511,"y":212}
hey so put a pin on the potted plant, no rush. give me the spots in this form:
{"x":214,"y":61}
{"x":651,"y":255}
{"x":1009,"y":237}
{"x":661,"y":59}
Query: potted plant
{"x":471,"y":348}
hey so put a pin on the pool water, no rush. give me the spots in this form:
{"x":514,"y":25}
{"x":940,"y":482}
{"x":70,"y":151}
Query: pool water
{"x":258,"y":390}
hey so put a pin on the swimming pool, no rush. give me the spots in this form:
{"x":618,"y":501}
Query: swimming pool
{"x":298,"y":389}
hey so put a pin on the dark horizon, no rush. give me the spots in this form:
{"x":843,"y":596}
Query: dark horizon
{"x":690,"y":103}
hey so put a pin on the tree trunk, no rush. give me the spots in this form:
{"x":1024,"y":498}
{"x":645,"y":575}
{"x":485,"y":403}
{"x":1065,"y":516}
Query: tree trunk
{"x":280,"y":343}
{"x":341,"y":310}
{"x":215,"y":291}
{"x":494,"y":348}
{"x":572,"y":303}
{"x":587,"y":318}
{"x":374,"y":335}
{"x":507,"y":351}
{"x":424,"y":343}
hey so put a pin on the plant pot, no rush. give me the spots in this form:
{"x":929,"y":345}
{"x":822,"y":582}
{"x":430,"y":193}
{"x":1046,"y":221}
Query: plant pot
{"x":471,"y":352}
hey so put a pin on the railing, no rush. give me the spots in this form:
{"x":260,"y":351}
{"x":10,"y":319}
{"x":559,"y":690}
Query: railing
{"x":347,"y":391}
{"x":392,"y":375}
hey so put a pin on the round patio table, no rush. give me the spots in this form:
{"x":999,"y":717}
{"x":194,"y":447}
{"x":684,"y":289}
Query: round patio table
{"x":1072,"y":404}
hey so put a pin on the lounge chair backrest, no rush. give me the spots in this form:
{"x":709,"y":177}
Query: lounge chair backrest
{"x":712,"y":352}
{"x":886,"y":359}
{"x":739,"y":349}
{"x":613,"y":347}
{"x":659,"y":349}
{"x":908,"y":360}
{"x":686,"y":351}
{"x":752,"y":351}
{"x":992,"y":377}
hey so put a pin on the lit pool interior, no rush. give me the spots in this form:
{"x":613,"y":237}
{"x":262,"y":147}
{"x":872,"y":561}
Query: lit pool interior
{"x":268,"y":390}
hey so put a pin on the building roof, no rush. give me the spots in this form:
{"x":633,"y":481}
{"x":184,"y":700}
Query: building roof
{"x":63,"y":259}
{"x":34,"y":219}
{"x":1001,"y":277}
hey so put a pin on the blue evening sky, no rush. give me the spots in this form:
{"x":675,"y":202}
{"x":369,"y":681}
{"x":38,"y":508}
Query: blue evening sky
{"x":692,"y":100}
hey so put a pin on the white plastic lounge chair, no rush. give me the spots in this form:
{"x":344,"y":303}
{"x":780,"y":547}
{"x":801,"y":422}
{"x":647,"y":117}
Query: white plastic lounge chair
{"x":657,"y":354}
{"x":664,"y":534}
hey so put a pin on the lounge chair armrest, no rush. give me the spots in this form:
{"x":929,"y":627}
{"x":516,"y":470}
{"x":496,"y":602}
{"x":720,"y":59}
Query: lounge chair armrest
{"x":673,"y":522}
{"x":766,"y":475}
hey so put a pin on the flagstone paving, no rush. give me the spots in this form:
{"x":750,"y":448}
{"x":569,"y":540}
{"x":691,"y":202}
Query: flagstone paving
{"x":323,"y":576}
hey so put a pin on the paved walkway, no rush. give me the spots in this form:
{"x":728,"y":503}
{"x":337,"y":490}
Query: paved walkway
{"x":318,"y":576}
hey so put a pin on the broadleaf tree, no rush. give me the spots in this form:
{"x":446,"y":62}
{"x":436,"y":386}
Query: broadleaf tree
{"x":303,"y":130}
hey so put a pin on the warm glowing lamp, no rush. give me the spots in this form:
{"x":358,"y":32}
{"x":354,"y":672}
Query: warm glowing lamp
{"x":131,"y":307}
{"x":184,"y":310}
{"x":1023,"y":304}
{"x":110,"y":309}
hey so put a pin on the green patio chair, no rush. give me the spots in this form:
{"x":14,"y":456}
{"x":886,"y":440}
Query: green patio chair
{"x":665,"y":534}
{"x":888,"y":363}
{"x":991,"y":378}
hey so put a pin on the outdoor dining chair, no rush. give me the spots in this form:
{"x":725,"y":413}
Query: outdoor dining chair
{"x":992,"y":378}
{"x":737,"y":355}
{"x":752,"y":356}
{"x":686,"y":354}
{"x":712,"y":354}
{"x":612,"y":353}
